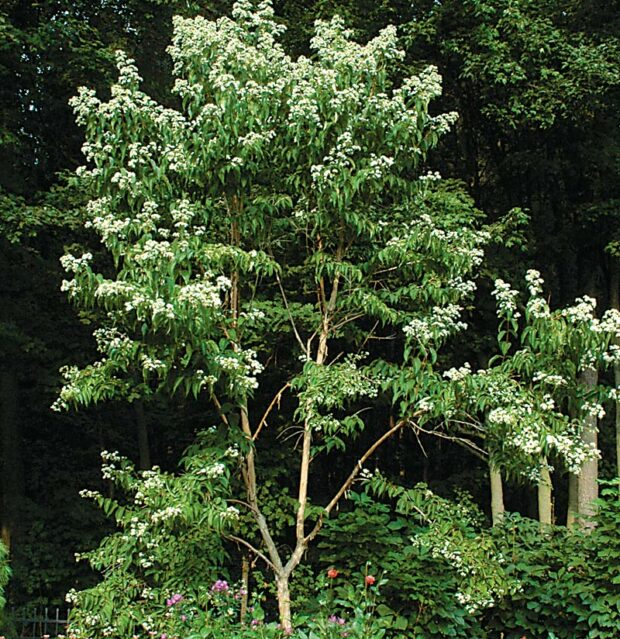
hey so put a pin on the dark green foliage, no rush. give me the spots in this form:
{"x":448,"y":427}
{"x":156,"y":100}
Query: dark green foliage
{"x":559,"y":584}
{"x":569,"y":579}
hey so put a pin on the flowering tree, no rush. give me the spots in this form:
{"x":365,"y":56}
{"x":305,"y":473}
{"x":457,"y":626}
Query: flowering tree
{"x":283,"y":198}
{"x":535,"y":402}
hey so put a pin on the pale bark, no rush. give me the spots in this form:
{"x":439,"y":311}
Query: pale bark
{"x":573,"y":503}
{"x":587,"y":490}
{"x":497,"y":494}
{"x":545,"y":503}
{"x":614,"y":302}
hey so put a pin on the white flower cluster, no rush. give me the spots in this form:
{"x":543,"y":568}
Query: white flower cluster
{"x":204,"y":294}
{"x":73,"y":264}
{"x":212,"y":471}
{"x":431,"y":176}
{"x":425,"y":405}
{"x":457,"y":374}
{"x":242,"y":368}
{"x":506,"y":299}
{"x":89,"y":494}
{"x":231,"y":513}
{"x":154,"y":251}
{"x":170,"y":512}
{"x":110,"y":338}
{"x":152,"y":364}
{"x":380,"y":165}
{"x":125,"y":179}
{"x":442,"y":322}
{"x":137,"y":528}
{"x":152,"y":481}
{"x":582,"y":311}
{"x":574,"y":453}
{"x":593,"y":409}
{"x":232,"y":452}
{"x":461,"y":286}
{"x":324,"y":423}
{"x":538,"y":308}
{"x":534,"y":282}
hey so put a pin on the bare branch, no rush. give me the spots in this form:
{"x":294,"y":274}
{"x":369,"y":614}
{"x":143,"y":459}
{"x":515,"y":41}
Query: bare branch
{"x":347,"y":320}
{"x":347,"y":484}
{"x":218,"y":405}
{"x":257,"y":552}
{"x":462,"y":441}
{"x":276,"y":400}
{"x":290,"y":316}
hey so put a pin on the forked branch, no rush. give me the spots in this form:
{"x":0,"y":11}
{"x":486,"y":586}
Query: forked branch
{"x":351,"y":478}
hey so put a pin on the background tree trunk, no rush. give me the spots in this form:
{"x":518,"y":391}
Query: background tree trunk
{"x":573,"y":502}
{"x":614,"y":302}
{"x":142,"y":432}
{"x":497,"y":495}
{"x":545,"y":488}
{"x":12,"y":472}
{"x":587,"y":489}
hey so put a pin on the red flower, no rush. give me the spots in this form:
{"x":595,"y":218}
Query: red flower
{"x":370,"y":580}
{"x":332,"y":573}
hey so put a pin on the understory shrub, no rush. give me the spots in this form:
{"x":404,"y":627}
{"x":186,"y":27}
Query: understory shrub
{"x":396,"y":562}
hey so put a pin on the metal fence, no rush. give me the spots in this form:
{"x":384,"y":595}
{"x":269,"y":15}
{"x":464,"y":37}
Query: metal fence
{"x":41,"y":623}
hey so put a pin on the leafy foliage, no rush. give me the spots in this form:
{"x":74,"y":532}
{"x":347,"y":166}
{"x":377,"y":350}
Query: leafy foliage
{"x":5,"y":573}
{"x":170,"y":540}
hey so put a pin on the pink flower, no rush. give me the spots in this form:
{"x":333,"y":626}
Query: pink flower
{"x":370,"y":580}
{"x":220,"y":586}
{"x":332,"y":573}
{"x":174,"y":600}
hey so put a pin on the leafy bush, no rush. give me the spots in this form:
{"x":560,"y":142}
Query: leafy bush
{"x":5,"y":573}
{"x":170,"y":541}
{"x":442,"y":572}
{"x":448,"y":577}
{"x":569,"y":579}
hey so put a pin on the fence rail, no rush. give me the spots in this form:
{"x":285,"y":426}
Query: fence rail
{"x":41,"y":623}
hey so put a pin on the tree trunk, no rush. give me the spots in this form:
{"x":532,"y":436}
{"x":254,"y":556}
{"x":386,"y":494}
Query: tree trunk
{"x":12,"y":472}
{"x":284,"y":601}
{"x":573,"y":502}
{"x":144,"y":451}
{"x":245,"y":586}
{"x":497,"y":495}
{"x":545,"y":504}
{"x":617,"y":382}
{"x":587,"y":490}
{"x":614,"y":302}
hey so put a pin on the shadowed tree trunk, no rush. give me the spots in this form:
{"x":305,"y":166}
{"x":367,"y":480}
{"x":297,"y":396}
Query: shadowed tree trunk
{"x":573,"y":503}
{"x":12,"y":472}
{"x":144,"y":451}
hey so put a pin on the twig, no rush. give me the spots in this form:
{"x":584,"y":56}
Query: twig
{"x":257,"y":552}
{"x":276,"y":399}
{"x":290,"y":316}
{"x":347,"y":484}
